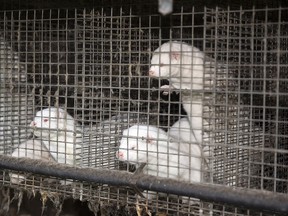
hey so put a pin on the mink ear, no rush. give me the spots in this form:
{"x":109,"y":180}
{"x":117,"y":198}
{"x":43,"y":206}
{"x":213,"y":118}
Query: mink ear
{"x":175,"y":55}
{"x":150,"y":140}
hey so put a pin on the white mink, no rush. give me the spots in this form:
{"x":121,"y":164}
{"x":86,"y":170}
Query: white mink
{"x":33,"y":149}
{"x":51,"y":122}
{"x":164,"y":157}
{"x":183,"y":65}
{"x":55,"y":127}
{"x":180,"y":63}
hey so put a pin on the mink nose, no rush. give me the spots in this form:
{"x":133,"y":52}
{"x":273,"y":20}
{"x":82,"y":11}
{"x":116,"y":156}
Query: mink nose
{"x":33,"y":124}
{"x":151,"y":73}
{"x":119,"y":154}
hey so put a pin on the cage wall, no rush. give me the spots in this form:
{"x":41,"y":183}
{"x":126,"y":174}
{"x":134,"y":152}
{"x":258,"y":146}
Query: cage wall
{"x":94,"y":63}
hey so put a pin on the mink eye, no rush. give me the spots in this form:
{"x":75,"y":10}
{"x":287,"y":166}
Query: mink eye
{"x":45,"y":120}
{"x":161,"y":65}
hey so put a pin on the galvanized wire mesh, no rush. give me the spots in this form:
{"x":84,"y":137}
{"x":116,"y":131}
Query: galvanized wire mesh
{"x":94,"y":63}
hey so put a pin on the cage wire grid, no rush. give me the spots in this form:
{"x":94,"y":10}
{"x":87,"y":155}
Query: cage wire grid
{"x":94,"y":63}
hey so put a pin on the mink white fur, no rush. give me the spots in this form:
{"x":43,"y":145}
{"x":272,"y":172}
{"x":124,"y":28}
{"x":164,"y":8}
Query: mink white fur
{"x":164,"y":156}
{"x":55,"y":127}
{"x":33,"y":149}
{"x":180,"y":63}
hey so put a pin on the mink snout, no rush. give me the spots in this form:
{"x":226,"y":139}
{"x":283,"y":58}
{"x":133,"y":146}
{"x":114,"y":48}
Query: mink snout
{"x":33,"y":124}
{"x":119,"y":154}
{"x":151,"y":73}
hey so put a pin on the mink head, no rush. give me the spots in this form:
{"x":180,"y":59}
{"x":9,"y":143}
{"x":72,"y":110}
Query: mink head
{"x":170,"y":58}
{"x":141,"y":143}
{"x":52,"y":121}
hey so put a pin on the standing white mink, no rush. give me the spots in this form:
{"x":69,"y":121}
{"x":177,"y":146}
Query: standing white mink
{"x":183,"y":65}
{"x":164,"y":157}
{"x":180,"y":63}
{"x":55,"y":127}
{"x":33,"y":149}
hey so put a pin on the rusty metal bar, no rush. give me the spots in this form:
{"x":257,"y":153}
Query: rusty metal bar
{"x":249,"y":198}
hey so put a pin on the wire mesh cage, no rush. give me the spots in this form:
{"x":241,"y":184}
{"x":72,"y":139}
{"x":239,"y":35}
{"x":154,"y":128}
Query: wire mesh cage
{"x":246,"y":84}
{"x":15,"y":104}
{"x":93,"y":65}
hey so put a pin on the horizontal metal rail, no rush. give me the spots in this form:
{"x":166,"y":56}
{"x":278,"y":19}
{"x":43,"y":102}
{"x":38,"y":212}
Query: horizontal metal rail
{"x":240,"y":197}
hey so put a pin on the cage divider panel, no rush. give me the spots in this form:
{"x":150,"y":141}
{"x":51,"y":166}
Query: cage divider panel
{"x":16,"y":104}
